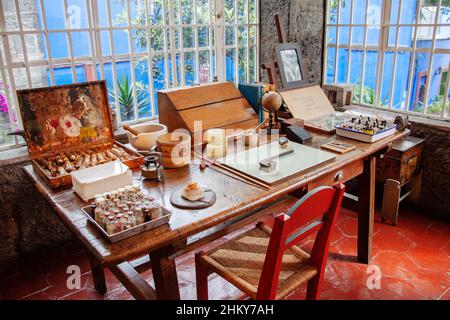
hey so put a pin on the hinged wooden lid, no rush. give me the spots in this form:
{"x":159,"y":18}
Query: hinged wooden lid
{"x":307,"y":103}
{"x":200,"y":95}
{"x":63,"y":117}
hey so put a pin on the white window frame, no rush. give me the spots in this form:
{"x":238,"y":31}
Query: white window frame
{"x":384,"y":47}
{"x":98,"y":60}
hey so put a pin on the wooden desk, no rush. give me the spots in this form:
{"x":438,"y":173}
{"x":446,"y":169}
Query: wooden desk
{"x":238,"y":203}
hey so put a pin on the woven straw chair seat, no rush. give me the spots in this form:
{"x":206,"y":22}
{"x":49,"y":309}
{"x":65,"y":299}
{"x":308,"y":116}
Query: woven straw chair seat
{"x":241,"y":260}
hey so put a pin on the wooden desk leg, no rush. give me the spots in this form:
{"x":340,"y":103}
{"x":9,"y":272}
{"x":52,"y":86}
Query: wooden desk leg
{"x":164,"y":274}
{"x":98,"y":274}
{"x":366,"y":206}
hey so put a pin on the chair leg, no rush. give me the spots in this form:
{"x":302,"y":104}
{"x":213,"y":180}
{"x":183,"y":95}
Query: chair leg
{"x":314,"y":286}
{"x":201,"y":276}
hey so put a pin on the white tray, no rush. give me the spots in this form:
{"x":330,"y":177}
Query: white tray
{"x":364,"y":137}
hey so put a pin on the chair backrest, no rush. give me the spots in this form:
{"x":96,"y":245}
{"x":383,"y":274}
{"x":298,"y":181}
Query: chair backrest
{"x":316,"y":211}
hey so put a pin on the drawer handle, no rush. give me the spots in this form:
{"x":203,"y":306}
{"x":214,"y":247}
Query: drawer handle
{"x":339,"y":176}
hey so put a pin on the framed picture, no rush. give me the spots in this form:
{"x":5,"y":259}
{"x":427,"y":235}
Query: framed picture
{"x":292,"y":70}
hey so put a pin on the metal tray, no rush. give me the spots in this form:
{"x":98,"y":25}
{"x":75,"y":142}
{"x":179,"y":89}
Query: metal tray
{"x":130,"y":232}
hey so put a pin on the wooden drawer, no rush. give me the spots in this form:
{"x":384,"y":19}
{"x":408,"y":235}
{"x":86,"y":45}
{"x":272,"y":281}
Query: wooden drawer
{"x":342,"y":175}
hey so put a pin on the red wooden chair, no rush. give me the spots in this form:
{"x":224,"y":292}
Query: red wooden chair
{"x":267,"y":263}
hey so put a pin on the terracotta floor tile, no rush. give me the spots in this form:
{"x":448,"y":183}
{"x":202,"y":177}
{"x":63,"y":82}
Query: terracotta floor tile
{"x":413,"y":259}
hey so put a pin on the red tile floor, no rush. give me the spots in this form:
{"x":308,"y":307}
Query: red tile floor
{"x":413,"y":260}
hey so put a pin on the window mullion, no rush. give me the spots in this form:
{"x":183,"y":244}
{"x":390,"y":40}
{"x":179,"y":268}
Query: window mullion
{"x":350,"y":35}
{"x":236,"y":47}
{"x":181,"y":38}
{"x":430,"y":63}
{"x":97,"y":39}
{"x":132,"y":66}
{"x":336,"y":56}
{"x":47,"y":43}
{"x":363,"y":66}
{"x":22,"y":42}
{"x":92,"y":38}
{"x":150,"y":59}
{"x":113,"y":63}
{"x":166,"y":27}
{"x":70,"y":42}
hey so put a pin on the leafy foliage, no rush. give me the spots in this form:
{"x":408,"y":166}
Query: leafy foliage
{"x":125,"y":97}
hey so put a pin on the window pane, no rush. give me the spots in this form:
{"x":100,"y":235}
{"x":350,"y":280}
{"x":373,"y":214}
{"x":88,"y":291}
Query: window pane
{"x":408,"y":13}
{"x":242,"y":11}
{"x":252,"y":63}
{"x":188,"y":37}
{"x":342,"y":65}
{"x":141,"y":73}
{"x":386,"y":89}
{"x":204,"y":66}
{"x":202,"y":12}
{"x":356,"y":73}
{"x":125,"y":96}
{"x":344,"y":36}
{"x":420,"y":79}
{"x":369,"y":94}
{"x":402,"y":73}
{"x":330,"y":65}
{"x":359,"y":12}
{"x":187,"y":11}
{"x":58,"y":45}
{"x":438,"y":78}
{"x":252,"y":11}
{"x":230,"y":64}
{"x":77,"y":17}
{"x":120,"y":42}
{"x":331,"y":35}
{"x":242,"y":65}
{"x":229,"y":35}
{"x":242,"y":35}
{"x":81,"y":44}
{"x":119,"y":13}
{"x":55,"y":14}
{"x":229,"y":11}
{"x":203,"y":36}
{"x":189,"y":68}
{"x":427,"y":12}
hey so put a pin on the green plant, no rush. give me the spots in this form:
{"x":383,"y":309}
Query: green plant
{"x":368,"y":96}
{"x":125,"y":97}
{"x":436,"y":107}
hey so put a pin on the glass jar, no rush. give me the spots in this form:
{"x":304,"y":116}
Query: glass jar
{"x":111,"y":225}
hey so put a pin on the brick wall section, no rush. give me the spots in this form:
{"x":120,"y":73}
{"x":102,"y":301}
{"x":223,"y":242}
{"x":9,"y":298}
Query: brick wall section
{"x":435,"y":196}
{"x":303,"y":23}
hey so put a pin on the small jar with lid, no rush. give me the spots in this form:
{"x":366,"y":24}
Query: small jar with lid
{"x":139,"y":214}
{"x":120,"y":222}
{"x":111,"y":225}
{"x":131,"y":218}
{"x":155,"y":211}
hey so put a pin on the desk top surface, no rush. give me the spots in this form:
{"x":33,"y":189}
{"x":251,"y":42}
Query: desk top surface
{"x":234,"y":198}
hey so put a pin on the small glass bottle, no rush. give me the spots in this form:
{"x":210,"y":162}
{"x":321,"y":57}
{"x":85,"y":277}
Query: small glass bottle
{"x":132,"y":218}
{"x":111,"y":225}
{"x":120,"y":223}
{"x":139,"y":214}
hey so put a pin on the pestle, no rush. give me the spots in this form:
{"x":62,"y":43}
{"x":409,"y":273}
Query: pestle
{"x":131,"y":130}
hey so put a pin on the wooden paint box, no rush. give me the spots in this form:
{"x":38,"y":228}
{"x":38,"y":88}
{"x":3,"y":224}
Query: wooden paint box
{"x":68,"y":120}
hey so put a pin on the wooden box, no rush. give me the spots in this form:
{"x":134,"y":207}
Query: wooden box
{"x":69,"y":120}
{"x":216,"y":105}
{"x":402,"y":162}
